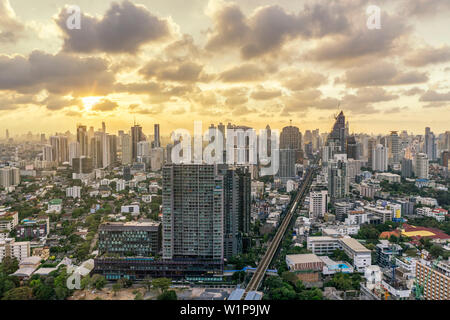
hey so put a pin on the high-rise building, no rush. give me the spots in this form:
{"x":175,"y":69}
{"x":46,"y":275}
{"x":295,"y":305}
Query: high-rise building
{"x":74,"y":151}
{"x":157,"y":138}
{"x":430,"y":144}
{"x":444,"y":158}
{"x":9,"y":176}
{"x":237,"y":206}
{"x":407,"y":168}
{"x":127,"y":150}
{"x":421,"y":166}
{"x":435,"y":281}
{"x":394,"y":148}
{"x":136,"y":136}
{"x":143,"y":152}
{"x":82,"y":165}
{"x":7,"y":134}
{"x":338,"y":135}
{"x":380,"y":158}
{"x":352,"y":148}
{"x":112,"y":148}
{"x":82,"y":138}
{"x":371,"y":145}
{"x":318,"y":203}
{"x":338,"y":180}
{"x":47,"y":153}
{"x":287,"y":165}
{"x":192,"y":212}
{"x":291,"y":138}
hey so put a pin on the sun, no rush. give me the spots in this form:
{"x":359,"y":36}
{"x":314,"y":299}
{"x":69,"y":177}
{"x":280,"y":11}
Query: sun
{"x":89,"y":102}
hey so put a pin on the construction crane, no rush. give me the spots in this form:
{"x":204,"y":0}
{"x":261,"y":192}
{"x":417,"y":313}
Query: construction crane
{"x":418,"y":287}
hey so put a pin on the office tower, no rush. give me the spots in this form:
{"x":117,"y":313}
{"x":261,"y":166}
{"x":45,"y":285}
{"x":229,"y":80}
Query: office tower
{"x":82,"y":165}
{"x":407,"y":168}
{"x":308,"y":137}
{"x":47,"y":153}
{"x":338,"y":180}
{"x":130,"y":238}
{"x":241,"y":143}
{"x":156,"y":159}
{"x":380,"y":158}
{"x":287,"y":165}
{"x":447,"y":140}
{"x":156,"y":139}
{"x":318,"y":203}
{"x":96,"y":150}
{"x":43,"y":140}
{"x":394,"y":144}
{"x":136,"y":136}
{"x":54,"y":142}
{"x":127,"y":150}
{"x":371,"y":145}
{"x":112,"y":148}
{"x":444,"y":158}
{"x":352,"y":148}
{"x":430,"y":144}
{"x":421,"y":166}
{"x":9,"y":176}
{"x":337,"y":137}
{"x":309,"y":150}
{"x":74,"y":151}
{"x":192,"y":212}
{"x":106,"y":150}
{"x":143,"y":152}
{"x":237,"y":207}
{"x":291,"y":138}
{"x":82,"y":139}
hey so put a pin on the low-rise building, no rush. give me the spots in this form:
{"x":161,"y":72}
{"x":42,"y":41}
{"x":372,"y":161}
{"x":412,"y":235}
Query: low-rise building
{"x":10,"y":248}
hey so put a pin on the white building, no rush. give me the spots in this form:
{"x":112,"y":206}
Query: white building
{"x":380,"y":158}
{"x":318,"y":203}
{"x":73,"y":192}
{"x":132,"y":208}
{"x":421,"y":166}
{"x":10,"y":248}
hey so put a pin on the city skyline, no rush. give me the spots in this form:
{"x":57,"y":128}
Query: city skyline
{"x":247,"y":62}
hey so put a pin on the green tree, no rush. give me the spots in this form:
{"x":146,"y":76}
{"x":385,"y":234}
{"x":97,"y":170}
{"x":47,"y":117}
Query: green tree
{"x":168,"y":295}
{"x":162,"y":284}
{"x":20,"y":293}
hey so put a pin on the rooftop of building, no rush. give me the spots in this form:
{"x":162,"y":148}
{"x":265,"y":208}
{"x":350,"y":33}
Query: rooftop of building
{"x":303,"y":258}
{"x":354,"y":245}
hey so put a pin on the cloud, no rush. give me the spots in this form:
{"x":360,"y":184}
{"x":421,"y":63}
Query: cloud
{"x":362,"y":101}
{"x":396,"y":110}
{"x":302,"y":79}
{"x":261,"y":93}
{"x":426,"y":56}
{"x":105,"y":105}
{"x":425,"y":7}
{"x":433,"y":96}
{"x":55,"y":102}
{"x":382,"y":74}
{"x":179,"y":71}
{"x":124,"y":28}
{"x":58,"y":74}
{"x":11,"y":29}
{"x":243,"y":73}
{"x":268,"y":28}
{"x":361,"y":42}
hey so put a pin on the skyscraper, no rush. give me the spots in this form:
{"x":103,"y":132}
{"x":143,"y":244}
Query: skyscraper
{"x":291,"y":138}
{"x":338,"y":180}
{"x":430,"y":144}
{"x":287,"y":165}
{"x":421,"y":166}
{"x":156,"y":139}
{"x":380,"y":158}
{"x":192,"y":212}
{"x":136,"y":136}
{"x":82,"y":138}
{"x":407,"y":168}
{"x":337,"y":137}
{"x":127,"y":151}
{"x":352,"y":148}
{"x":371,"y":144}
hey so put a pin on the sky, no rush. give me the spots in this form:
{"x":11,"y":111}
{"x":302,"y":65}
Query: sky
{"x":248,"y":62}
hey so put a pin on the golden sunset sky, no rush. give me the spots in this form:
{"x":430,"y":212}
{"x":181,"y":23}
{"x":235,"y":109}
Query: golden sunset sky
{"x":249,"y":62}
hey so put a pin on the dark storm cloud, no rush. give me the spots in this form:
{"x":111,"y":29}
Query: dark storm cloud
{"x":125,"y":27}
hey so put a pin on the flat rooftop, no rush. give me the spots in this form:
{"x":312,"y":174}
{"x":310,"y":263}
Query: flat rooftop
{"x":354,"y":245}
{"x":303,"y":258}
